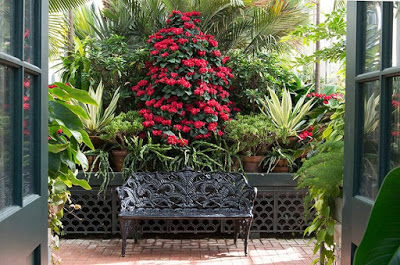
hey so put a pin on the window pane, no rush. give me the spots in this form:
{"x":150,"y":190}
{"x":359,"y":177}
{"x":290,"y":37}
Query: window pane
{"x":6,"y":9}
{"x":30,"y":34}
{"x":372,"y":35}
{"x":369,"y":182}
{"x":396,"y":35}
{"x":6,"y":137}
{"x":28,"y":152}
{"x":395,"y":130}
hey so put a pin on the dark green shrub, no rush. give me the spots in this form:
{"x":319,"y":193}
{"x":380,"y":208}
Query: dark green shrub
{"x":254,"y":74}
{"x":111,"y":61}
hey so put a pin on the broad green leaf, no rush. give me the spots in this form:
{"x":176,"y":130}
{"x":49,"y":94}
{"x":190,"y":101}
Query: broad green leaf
{"x":81,"y":159}
{"x":78,"y":110}
{"x":79,"y":182}
{"x":65,"y":116}
{"x":86,"y":139}
{"x":78,"y":94}
{"x":56,"y":148}
{"x":381,"y":240}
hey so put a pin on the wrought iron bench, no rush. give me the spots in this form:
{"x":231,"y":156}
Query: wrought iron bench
{"x":186,"y":194}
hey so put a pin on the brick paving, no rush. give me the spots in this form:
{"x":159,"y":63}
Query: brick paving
{"x":268,"y":251}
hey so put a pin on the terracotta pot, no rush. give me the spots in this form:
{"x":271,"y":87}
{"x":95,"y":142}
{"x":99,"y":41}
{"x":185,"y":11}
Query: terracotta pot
{"x":119,"y":157}
{"x":91,"y":159}
{"x":96,"y":141}
{"x":235,"y":164}
{"x":251,"y":163}
{"x":281,"y":166}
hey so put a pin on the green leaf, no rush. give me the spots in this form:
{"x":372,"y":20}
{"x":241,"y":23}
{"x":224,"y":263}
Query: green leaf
{"x":381,"y":240}
{"x":78,"y":94}
{"x":65,"y":116}
{"x":78,"y":110}
{"x":86,"y":139}
{"x":82,"y":160}
{"x":78,"y":182}
{"x":54,"y":162}
{"x":56,"y":148}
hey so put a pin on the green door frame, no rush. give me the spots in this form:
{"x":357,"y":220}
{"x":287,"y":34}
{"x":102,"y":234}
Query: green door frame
{"x":23,"y":225}
{"x":356,"y":208}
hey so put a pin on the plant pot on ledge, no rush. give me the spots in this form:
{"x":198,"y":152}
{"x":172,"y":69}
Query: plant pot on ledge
{"x":251,"y":164}
{"x":119,"y":158}
{"x":96,"y":141}
{"x":91,"y":159}
{"x":282,"y":166}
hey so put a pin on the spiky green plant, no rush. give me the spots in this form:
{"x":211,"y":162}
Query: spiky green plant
{"x":98,"y":118}
{"x":287,"y":118}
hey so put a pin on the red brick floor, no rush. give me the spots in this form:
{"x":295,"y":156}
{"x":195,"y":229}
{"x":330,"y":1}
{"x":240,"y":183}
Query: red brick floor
{"x":185,"y":251}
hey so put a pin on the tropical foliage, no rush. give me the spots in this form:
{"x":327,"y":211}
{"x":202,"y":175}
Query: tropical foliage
{"x":110,"y":61}
{"x":97,"y":117}
{"x":254,"y":74}
{"x":322,"y":175}
{"x":248,"y":24}
{"x":66,"y":134}
{"x":381,"y":241}
{"x":287,"y":118}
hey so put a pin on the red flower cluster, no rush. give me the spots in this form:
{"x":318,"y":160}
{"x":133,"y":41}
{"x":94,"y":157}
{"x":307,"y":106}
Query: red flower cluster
{"x":306,"y":134}
{"x":326,"y":98}
{"x":395,"y":104}
{"x":185,"y":95}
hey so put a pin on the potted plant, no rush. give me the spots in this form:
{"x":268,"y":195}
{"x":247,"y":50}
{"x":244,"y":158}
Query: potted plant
{"x":286,"y":118}
{"x":254,"y":134}
{"x":99,"y":118}
{"x":279,"y":160}
{"x":124,"y":125}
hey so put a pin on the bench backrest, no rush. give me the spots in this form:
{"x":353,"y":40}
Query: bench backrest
{"x":187,"y":189}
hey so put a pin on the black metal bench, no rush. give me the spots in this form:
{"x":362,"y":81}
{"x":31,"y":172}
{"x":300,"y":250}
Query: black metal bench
{"x":186,"y":194}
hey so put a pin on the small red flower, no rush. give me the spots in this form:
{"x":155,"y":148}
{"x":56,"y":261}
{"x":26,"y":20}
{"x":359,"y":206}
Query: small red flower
{"x":166,"y":122}
{"x":172,"y":140}
{"x":157,"y":132}
{"x":199,"y":124}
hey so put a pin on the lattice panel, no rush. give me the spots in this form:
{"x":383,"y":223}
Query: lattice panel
{"x":263,"y":213}
{"x":290,"y":211}
{"x":275,"y":211}
{"x":95,"y":216}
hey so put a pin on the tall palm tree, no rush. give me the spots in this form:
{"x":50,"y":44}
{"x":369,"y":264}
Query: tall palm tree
{"x":58,"y":26}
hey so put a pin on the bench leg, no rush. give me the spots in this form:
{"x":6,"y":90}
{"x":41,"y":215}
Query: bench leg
{"x":236,"y":224}
{"x":125,"y":225}
{"x":247,"y":226}
{"x":135,"y":231}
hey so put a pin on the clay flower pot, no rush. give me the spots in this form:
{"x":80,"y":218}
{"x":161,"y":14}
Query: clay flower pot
{"x":251,"y":163}
{"x":96,"y":141}
{"x":91,"y":159}
{"x":282,"y":166}
{"x":119,"y":157}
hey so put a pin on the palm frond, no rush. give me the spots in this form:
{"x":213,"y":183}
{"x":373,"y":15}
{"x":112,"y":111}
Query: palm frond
{"x":58,"y":6}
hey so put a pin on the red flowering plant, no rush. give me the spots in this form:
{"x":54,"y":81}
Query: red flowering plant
{"x":185,"y":95}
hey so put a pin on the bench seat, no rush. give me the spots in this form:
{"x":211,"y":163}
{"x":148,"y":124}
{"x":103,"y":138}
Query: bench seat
{"x":186,"y":194}
{"x":185,"y":214}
